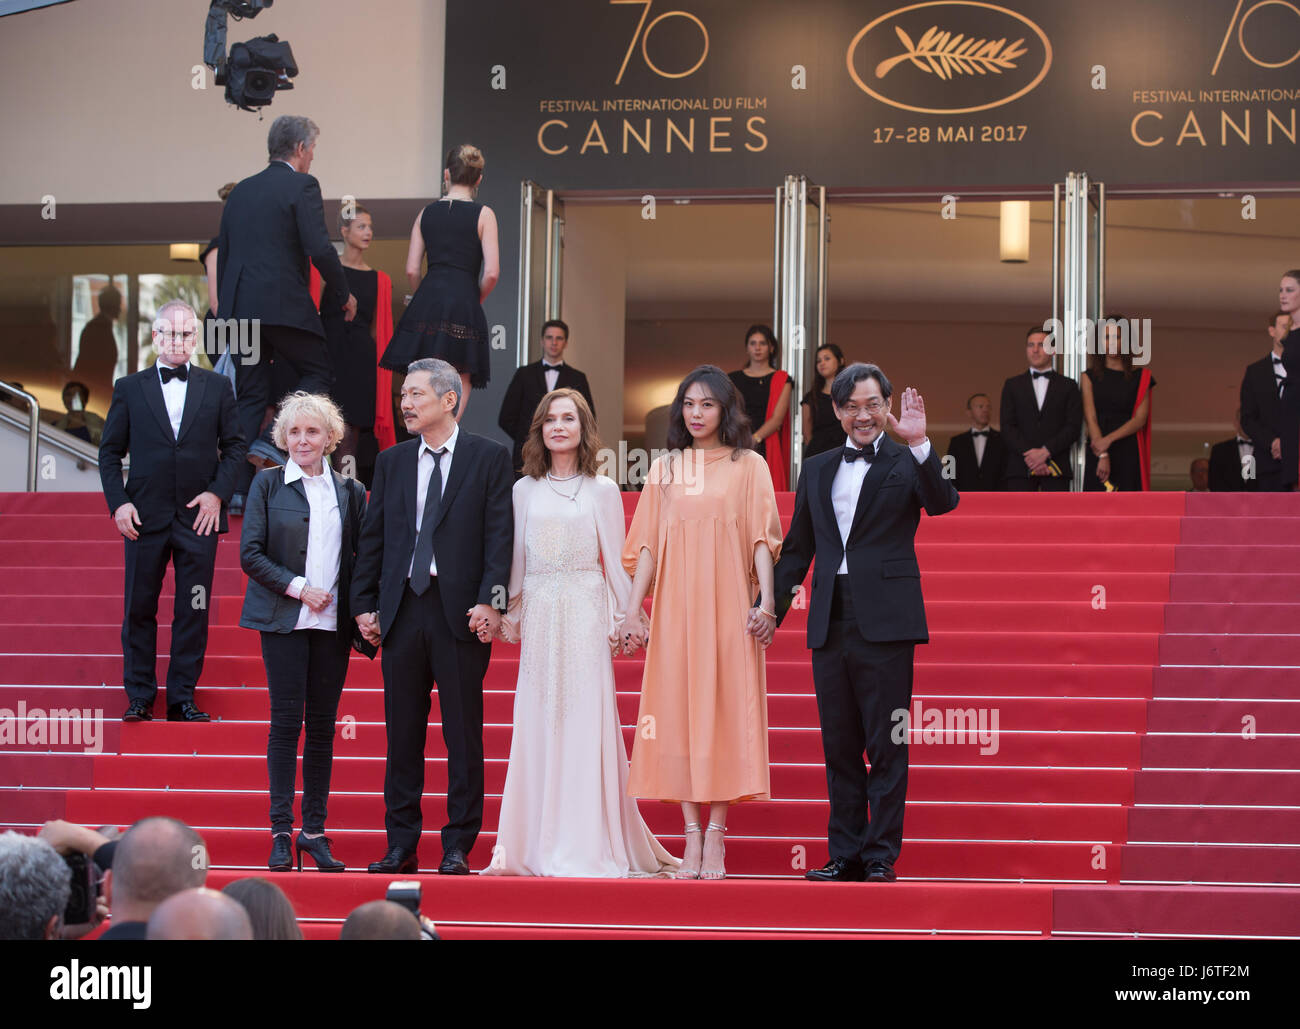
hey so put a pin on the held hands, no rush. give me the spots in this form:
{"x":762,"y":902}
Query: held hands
{"x":483,"y":621}
{"x":911,"y":426}
{"x":1276,"y":450}
{"x":761,"y":625}
{"x":1100,"y":445}
{"x":369,"y":626}
{"x":209,"y":514}
{"x":636,"y":634}
{"x":127,"y":518}
{"x":350,"y":308}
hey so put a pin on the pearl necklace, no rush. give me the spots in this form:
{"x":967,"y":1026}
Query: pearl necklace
{"x":551,"y":480}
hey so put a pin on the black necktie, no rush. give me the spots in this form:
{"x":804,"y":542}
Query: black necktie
{"x":851,"y":454}
{"x":181,"y":371}
{"x":979,"y":432}
{"x":1040,"y":375}
{"x":424,"y":542}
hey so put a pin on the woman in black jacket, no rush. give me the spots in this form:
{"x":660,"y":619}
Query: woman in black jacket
{"x":301,"y":524}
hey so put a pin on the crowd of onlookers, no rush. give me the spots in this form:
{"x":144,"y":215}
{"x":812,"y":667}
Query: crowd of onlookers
{"x":149,"y":884}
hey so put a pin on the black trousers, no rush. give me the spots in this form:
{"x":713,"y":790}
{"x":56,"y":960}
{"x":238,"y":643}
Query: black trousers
{"x":1037,"y":484}
{"x":863,"y":692}
{"x":194,"y":558}
{"x":420,"y":652}
{"x":305,"y":670}
{"x":304,"y":352}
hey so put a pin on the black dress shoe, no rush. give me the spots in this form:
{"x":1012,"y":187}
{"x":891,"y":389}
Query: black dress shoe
{"x":454,"y":862}
{"x":837,"y":870}
{"x":880,"y":872}
{"x":398,"y":861}
{"x":186,"y":712}
{"x":319,"y":848}
{"x":138,"y":711}
{"x":279,"y":859}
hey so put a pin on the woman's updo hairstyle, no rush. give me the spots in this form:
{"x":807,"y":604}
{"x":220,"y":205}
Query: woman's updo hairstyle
{"x":464,"y":164}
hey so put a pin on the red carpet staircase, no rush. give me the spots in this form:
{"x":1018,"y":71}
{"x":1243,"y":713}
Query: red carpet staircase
{"x":1108,"y":740}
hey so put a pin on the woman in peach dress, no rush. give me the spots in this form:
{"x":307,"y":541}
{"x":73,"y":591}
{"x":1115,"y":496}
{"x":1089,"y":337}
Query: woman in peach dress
{"x":705,"y":537}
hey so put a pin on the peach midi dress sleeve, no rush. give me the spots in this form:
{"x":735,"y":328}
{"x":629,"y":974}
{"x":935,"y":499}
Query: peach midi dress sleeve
{"x":701,"y":730}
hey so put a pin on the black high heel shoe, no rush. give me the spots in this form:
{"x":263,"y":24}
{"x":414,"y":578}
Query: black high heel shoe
{"x":280,"y":856}
{"x":319,"y":849}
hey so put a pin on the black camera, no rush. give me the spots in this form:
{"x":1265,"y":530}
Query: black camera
{"x":406,"y":892}
{"x":87,"y":887}
{"x":254,"y":70}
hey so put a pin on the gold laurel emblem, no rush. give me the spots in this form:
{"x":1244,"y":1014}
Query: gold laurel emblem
{"x":946,"y":55}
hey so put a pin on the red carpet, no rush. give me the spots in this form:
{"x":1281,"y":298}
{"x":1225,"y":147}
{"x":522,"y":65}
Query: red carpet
{"x":1113,"y":646}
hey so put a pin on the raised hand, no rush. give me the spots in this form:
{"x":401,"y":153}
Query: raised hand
{"x":911,"y":426}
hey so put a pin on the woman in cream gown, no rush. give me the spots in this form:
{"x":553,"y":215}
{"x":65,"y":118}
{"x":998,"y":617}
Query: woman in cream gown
{"x":565,"y":809}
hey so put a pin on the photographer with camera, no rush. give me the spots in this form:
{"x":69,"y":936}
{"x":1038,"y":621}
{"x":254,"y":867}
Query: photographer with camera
{"x":154,"y":859}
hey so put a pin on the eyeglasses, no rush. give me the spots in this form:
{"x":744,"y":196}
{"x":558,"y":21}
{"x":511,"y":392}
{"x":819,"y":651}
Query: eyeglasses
{"x":871,"y":407}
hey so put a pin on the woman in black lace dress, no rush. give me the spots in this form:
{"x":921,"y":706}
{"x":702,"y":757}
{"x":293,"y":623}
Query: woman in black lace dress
{"x":445,"y":318}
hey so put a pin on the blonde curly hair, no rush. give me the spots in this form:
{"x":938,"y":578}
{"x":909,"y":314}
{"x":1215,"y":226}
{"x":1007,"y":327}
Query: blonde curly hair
{"x":314,"y":406}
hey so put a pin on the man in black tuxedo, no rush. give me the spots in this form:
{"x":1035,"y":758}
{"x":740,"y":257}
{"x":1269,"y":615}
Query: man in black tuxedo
{"x":979,"y":454}
{"x":430,"y":577}
{"x":856,"y":511}
{"x":1042,"y":416}
{"x":1232,"y":462}
{"x":272,"y":225}
{"x":181,"y":427}
{"x":534,"y":381}
{"x":1272,"y":423}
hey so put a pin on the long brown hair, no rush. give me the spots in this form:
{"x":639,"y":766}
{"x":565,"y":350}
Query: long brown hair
{"x":537,"y":459}
{"x":1097,"y":360}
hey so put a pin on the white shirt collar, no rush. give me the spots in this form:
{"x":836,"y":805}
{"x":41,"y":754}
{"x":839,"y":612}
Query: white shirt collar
{"x":449,"y":446}
{"x":293,"y":472}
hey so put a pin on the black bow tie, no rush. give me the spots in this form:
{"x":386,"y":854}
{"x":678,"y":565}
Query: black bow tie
{"x":1040,"y":375}
{"x":979,"y":432}
{"x":181,"y":371}
{"x":1276,"y":359}
{"x":552,"y":367}
{"x":851,"y":454}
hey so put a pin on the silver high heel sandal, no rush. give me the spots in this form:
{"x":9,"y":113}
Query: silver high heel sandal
{"x":687,"y":873}
{"x":721,"y":873}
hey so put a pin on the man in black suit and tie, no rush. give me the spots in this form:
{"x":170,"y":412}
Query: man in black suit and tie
{"x":979,"y":454}
{"x":180,"y":425}
{"x":534,"y":381}
{"x":856,"y":511}
{"x":1272,"y":423}
{"x":432,"y":567}
{"x":272,"y":225}
{"x":1232,"y":463}
{"x":1042,"y":416}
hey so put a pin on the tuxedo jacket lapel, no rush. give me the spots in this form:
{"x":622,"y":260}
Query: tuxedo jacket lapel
{"x":408,"y":480}
{"x":193,"y":400}
{"x":880,"y":467}
{"x":341,"y":494}
{"x":460,"y":464}
{"x":153,"y":395}
{"x":825,"y":506}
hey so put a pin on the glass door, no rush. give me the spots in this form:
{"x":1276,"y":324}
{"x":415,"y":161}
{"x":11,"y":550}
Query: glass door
{"x":799,"y":290}
{"x":541,"y":263}
{"x":1078,"y":280}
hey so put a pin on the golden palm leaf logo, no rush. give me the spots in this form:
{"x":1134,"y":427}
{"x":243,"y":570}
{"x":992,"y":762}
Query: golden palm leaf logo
{"x":946,"y":55}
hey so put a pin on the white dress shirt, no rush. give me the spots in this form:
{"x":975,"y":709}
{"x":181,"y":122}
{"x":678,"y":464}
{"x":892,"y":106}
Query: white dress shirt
{"x":1279,"y":374}
{"x":424,"y":472}
{"x":1040,"y":386}
{"x":174,"y":396}
{"x":981,"y":443}
{"x":552,"y":372}
{"x":848,"y":484}
{"x":324,"y":546}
